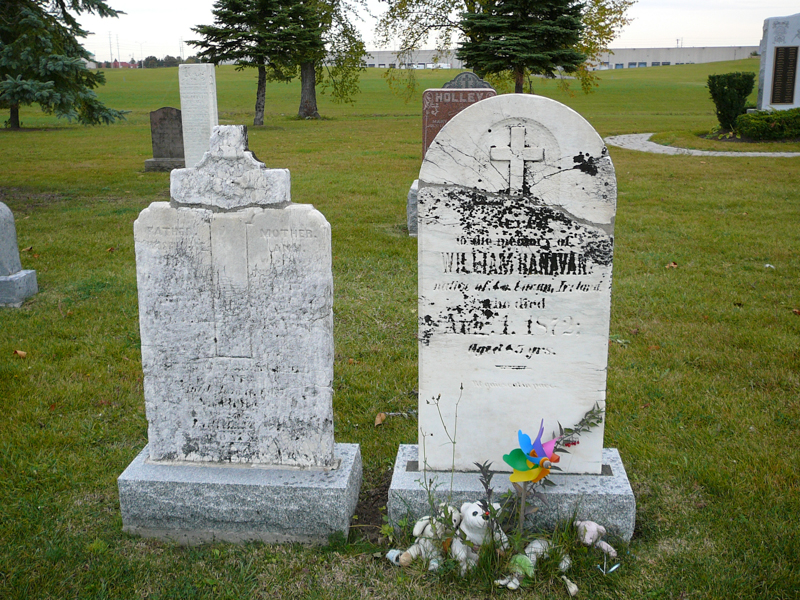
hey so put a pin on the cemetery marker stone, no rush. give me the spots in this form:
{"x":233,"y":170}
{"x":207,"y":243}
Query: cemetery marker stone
{"x":236,"y":321}
{"x":516,"y":211}
{"x":166,"y":133}
{"x":16,"y":284}
{"x":778,"y":81}
{"x":198,"y":85}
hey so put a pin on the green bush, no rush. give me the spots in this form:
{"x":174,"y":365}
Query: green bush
{"x":729,"y":93}
{"x":775,"y":125}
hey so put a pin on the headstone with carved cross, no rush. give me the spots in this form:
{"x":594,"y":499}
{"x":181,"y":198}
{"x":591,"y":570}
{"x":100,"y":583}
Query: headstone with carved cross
{"x":516,"y":213}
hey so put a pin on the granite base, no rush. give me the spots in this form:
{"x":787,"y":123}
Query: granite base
{"x":606,"y":499}
{"x":163,"y":164}
{"x":192,"y":504}
{"x":16,"y":288}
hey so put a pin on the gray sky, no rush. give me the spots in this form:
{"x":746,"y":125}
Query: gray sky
{"x":156,"y":27}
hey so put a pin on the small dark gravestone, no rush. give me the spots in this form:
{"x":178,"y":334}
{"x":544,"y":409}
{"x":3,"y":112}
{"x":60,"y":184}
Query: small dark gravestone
{"x":166,"y":131}
{"x":467,"y":80}
{"x":15,"y":284}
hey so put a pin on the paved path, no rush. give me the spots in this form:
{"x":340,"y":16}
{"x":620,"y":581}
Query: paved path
{"x":641,"y":142}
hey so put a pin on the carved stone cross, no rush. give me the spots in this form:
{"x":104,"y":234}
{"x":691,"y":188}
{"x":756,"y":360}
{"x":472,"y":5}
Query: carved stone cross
{"x":517,"y":154}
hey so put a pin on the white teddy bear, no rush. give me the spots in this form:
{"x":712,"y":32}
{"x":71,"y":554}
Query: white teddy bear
{"x":589,"y":534}
{"x":472,"y":533}
{"x":430,"y":533}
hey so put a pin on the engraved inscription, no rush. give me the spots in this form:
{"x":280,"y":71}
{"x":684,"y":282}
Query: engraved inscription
{"x":784,"y":75}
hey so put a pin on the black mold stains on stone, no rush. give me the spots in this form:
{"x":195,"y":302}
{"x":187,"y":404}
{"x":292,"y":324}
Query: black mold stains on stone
{"x":586,"y":164}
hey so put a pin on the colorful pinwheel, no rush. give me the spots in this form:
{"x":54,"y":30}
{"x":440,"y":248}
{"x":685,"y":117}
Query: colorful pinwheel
{"x":532,"y":461}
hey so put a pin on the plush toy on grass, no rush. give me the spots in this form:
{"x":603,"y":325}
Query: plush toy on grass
{"x":473,"y":532}
{"x":432,"y":535}
{"x":590,"y":534}
{"x":524,"y":565}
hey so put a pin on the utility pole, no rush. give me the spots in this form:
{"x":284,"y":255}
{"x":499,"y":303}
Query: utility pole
{"x":110,"y":50}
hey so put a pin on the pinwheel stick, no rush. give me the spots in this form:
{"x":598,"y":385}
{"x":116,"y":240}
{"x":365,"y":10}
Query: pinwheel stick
{"x":523,"y":497}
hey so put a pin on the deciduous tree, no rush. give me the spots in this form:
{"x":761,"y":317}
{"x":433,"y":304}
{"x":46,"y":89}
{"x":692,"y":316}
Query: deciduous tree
{"x":413,"y":24}
{"x":282,"y":39}
{"x":42,"y":61}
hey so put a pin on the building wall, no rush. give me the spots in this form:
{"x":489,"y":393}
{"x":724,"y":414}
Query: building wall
{"x":646,"y":57}
{"x":627,"y":57}
{"x":421,"y":59}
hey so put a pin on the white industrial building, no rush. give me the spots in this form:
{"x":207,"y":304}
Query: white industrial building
{"x":616,"y":58}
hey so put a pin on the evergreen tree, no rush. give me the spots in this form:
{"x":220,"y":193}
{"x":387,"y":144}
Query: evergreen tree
{"x":515,"y":35}
{"x":282,"y":39}
{"x":42,"y":61}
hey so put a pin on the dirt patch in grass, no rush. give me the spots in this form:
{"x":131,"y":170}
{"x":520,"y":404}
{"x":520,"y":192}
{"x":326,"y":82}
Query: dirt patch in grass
{"x":371,"y":508}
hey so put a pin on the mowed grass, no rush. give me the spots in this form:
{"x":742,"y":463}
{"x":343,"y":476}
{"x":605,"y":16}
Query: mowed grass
{"x":704,"y":370}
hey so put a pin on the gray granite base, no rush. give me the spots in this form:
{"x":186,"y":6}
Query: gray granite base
{"x":192,"y":504}
{"x":606,"y":499}
{"x":163,"y":164}
{"x":16,"y":288}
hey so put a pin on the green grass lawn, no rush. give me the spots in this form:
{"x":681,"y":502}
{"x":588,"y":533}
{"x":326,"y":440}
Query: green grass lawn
{"x":703,"y":391}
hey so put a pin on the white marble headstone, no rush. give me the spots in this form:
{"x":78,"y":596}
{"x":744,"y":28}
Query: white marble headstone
{"x":517,"y":199}
{"x":235,"y":313}
{"x":778,"y":81}
{"x":198,"y":86}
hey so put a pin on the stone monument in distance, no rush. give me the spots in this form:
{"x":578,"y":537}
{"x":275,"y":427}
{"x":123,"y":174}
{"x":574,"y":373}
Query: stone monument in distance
{"x":166,"y":133}
{"x":517,"y":199}
{"x":198,"y":84}
{"x":778,"y":83}
{"x":236,"y":322}
{"x":16,"y":284}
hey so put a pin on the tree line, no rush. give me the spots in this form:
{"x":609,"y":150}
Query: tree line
{"x":43,"y":62}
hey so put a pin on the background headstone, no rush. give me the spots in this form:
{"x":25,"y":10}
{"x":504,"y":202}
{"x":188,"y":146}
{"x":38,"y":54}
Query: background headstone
{"x":236,"y":321}
{"x":441,"y":105}
{"x":467,"y":80}
{"x":516,"y":210}
{"x":16,"y":284}
{"x":778,"y":81}
{"x":166,"y":133}
{"x":198,"y":85}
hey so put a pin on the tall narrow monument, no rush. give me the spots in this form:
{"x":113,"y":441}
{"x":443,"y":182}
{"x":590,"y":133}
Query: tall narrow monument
{"x":198,"y":84}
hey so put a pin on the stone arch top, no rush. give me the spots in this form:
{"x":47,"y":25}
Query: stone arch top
{"x":524,"y":145}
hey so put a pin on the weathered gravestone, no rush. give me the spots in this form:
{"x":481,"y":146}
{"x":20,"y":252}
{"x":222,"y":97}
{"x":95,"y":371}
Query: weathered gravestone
{"x":517,"y":200}
{"x":16,"y":284}
{"x":166,"y":132}
{"x":236,"y":321}
{"x":778,"y":83}
{"x":438,"y":107}
{"x":198,"y":85}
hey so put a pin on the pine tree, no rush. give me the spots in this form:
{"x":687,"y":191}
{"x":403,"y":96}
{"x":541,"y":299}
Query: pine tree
{"x":282,"y":38}
{"x":515,"y":35}
{"x":42,"y":61}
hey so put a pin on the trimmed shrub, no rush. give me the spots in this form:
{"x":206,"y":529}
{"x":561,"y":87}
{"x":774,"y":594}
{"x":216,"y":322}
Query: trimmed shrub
{"x":775,"y":125}
{"x":729,"y":93}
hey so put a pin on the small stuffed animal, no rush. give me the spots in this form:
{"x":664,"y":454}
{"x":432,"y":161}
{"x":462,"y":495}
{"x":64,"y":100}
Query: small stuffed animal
{"x":589,"y":534}
{"x":431,"y":534}
{"x":522,"y":565}
{"x":473,"y":532}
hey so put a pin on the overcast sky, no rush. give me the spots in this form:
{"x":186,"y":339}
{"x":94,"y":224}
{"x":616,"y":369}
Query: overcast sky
{"x":157,"y":27}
